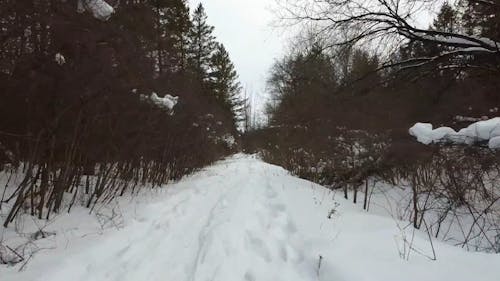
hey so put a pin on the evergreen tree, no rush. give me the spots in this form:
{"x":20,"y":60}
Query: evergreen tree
{"x":201,"y":43}
{"x":301,"y":84}
{"x":447,"y":20}
{"x":363,"y":72}
{"x":224,"y":83}
{"x":177,"y":24}
{"x":160,"y":28}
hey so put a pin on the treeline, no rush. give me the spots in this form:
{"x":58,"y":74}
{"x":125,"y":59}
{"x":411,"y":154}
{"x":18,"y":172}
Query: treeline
{"x":87,"y":106}
{"x":340,"y":112}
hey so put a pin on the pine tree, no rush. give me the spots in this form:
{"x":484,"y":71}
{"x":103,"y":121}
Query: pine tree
{"x":201,"y":43}
{"x":160,"y":19}
{"x":363,"y":72}
{"x":223,"y":80}
{"x":177,"y":25}
{"x":447,"y":19}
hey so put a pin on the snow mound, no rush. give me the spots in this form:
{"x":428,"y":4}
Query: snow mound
{"x":100,"y":9}
{"x":482,"y":131}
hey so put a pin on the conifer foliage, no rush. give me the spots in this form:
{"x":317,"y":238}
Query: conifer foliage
{"x":224,"y":83}
{"x":202,"y":43}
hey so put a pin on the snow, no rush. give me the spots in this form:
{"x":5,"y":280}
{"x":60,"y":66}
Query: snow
{"x":486,"y":130}
{"x":60,"y":59}
{"x":460,"y":118}
{"x":472,"y":43}
{"x":476,"y":49}
{"x":100,"y":9}
{"x":243,"y":219}
{"x":423,"y":132}
{"x":483,"y":130}
{"x":426,"y":135}
{"x":229,"y":140}
{"x":168,"y":102}
{"x":494,"y":143}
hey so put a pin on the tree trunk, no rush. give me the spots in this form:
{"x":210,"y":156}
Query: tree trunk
{"x":365,"y":201}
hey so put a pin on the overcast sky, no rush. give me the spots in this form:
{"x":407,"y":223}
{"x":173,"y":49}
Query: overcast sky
{"x":245,"y":29}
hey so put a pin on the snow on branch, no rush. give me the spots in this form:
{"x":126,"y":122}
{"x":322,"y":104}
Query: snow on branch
{"x":60,"y":59}
{"x":167,"y":103}
{"x":354,"y":21}
{"x":476,"y":133}
{"x":100,"y":9}
{"x":466,"y":42}
{"x":485,"y":2}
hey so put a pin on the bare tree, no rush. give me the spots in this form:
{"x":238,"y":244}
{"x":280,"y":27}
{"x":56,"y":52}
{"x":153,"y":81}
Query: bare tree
{"x":392,"y":23}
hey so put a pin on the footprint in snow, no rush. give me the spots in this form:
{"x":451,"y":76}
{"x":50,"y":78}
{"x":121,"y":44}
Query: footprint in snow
{"x":277,"y":208}
{"x":258,"y":245}
{"x":249,"y":276}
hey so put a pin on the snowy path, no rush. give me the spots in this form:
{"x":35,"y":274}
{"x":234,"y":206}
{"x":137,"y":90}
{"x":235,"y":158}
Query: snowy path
{"x":246,"y":220}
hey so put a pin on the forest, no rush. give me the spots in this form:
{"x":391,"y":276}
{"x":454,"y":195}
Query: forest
{"x":98,"y":104}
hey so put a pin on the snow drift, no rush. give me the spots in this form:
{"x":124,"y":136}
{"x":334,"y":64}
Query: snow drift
{"x":478,"y":132}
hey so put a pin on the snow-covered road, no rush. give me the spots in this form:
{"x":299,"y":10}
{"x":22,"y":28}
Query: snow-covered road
{"x":219,"y":227}
{"x":246,"y":220}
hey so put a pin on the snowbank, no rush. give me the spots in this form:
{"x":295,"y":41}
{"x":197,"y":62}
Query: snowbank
{"x":482,"y":131}
{"x":100,"y":9}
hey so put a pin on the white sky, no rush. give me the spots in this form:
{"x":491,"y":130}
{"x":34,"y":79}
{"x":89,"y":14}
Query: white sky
{"x":245,"y":29}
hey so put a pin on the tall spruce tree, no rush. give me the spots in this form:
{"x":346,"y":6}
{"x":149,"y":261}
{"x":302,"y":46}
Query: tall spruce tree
{"x":447,"y":19}
{"x":201,"y":43}
{"x":160,"y":33}
{"x":177,"y":25}
{"x":223,"y":80}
